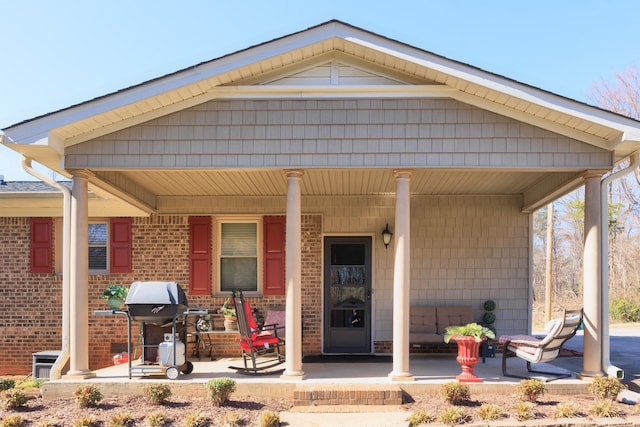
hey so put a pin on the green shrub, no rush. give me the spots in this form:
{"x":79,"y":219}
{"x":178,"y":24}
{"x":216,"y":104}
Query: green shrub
{"x":524,"y":411}
{"x":195,"y":419}
{"x":33,"y":383}
{"x":604,"y":408}
{"x":13,"y":421}
{"x":605,"y":387}
{"x":6,"y":384}
{"x":625,"y":310}
{"x":531,"y":389}
{"x":489,"y":305}
{"x":566,"y":410}
{"x":420,"y":417}
{"x":220,"y":390}
{"x":231,"y":419}
{"x":452,"y":415}
{"x":120,"y":420}
{"x":269,"y":419}
{"x":13,"y":399}
{"x":488,"y":318}
{"x":49,"y":422}
{"x":87,"y":396}
{"x":157,"y":393}
{"x":455,"y":393}
{"x":155,"y":419}
{"x":489,"y":412}
{"x":86,"y":421}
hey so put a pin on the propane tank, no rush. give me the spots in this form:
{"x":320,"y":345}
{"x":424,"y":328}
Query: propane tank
{"x":165,"y":351}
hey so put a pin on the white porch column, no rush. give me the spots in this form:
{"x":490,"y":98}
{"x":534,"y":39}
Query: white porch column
{"x":401,"y":280}
{"x":79,"y":277}
{"x":591,"y":277}
{"x":293,"y":278}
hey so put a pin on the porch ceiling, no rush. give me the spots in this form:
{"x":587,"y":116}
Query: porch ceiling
{"x":317,"y":182}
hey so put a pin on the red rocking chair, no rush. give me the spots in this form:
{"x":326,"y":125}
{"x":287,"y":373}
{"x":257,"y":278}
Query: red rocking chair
{"x":256,"y":343}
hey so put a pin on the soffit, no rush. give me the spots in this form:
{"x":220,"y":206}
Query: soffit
{"x":320,"y":182}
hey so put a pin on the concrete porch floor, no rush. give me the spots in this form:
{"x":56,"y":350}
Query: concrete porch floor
{"x":429,"y":371}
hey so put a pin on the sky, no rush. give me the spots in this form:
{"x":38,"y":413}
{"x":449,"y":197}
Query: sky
{"x":57,"y":54}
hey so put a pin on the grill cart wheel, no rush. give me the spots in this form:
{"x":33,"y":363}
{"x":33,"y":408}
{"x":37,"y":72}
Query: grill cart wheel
{"x":172,"y":372}
{"x":188,"y":368}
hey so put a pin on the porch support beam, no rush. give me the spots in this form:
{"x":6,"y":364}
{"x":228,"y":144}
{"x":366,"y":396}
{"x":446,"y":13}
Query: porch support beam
{"x":591,"y":277}
{"x":293,"y":278}
{"x":79,"y":277}
{"x":401,"y":279}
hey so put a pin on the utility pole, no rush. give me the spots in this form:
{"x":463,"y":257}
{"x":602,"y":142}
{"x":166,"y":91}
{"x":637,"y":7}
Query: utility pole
{"x":549,"y":264}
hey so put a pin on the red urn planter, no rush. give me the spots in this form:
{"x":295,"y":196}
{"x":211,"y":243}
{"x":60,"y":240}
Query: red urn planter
{"x":468,"y":351}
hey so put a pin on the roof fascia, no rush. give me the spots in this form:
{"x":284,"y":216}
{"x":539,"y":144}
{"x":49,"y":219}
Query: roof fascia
{"x":499,"y":83}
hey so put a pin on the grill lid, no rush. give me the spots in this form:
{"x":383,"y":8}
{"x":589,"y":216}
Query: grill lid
{"x":168,"y":293}
{"x":157,"y":303}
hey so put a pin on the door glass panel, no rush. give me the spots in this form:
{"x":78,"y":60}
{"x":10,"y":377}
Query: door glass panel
{"x":347,"y":290}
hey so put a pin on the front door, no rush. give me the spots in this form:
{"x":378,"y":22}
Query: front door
{"x":347,"y":295}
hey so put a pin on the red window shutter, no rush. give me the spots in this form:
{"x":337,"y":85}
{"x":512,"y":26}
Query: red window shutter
{"x":41,"y":245}
{"x":200,"y":255}
{"x":274,"y":259}
{"x":120,"y":245}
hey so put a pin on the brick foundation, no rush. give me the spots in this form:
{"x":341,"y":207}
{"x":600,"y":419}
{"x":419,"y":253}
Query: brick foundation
{"x":337,"y":394}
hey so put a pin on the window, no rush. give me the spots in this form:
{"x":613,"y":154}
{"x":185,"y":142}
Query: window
{"x":98,"y":249}
{"x":239,"y":256}
{"x":109,"y":246}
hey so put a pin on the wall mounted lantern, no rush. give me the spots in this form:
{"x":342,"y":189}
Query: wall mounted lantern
{"x":386,"y":236}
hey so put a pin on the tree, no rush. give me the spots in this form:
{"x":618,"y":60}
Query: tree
{"x":621,"y":94}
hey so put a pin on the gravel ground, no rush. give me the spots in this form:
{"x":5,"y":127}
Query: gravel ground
{"x":65,"y":412}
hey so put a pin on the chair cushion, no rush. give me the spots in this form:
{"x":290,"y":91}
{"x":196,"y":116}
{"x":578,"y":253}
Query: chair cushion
{"x":454,"y":315}
{"x":418,"y":338}
{"x":278,"y":318}
{"x":422,"y":320}
{"x":253,"y":326}
{"x":262,"y":340}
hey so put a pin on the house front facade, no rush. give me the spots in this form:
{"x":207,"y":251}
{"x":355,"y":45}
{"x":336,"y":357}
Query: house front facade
{"x":275,"y":169}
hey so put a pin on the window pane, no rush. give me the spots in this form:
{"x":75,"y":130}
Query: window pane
{"x":98,"y":246}
{"x":239,"y":274}
{"x":239,"y":239}
{"x":97,"y":258}
{"x":98,"y":235}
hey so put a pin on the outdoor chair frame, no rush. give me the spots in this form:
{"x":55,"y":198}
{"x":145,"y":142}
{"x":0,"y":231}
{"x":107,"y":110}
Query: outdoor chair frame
{"x":534,"y":350}
{"x":256,"y":343}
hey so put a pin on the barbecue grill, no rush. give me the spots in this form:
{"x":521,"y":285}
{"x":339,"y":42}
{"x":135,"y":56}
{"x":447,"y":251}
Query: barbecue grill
{"x":161,"y":308}
{"x":156,"y":303}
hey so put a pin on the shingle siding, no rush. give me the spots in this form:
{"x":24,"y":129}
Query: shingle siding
{"x":329,"y":133}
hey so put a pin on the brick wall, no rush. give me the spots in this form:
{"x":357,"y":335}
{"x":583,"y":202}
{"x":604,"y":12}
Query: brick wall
{"x":311,"y":284}
{"x":30,"y":304}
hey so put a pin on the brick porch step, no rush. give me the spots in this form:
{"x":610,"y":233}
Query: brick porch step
{"x":338,"y":394}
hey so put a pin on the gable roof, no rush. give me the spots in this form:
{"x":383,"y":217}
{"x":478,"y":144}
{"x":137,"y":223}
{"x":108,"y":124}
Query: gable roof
{"x":327,"y":69}
{"x":245,"y":72}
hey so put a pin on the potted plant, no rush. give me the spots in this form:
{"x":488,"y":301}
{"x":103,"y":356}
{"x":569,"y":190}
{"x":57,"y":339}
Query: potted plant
{"x":115,"y":295}
{"x":468,"y":337}
{"x":230,"y":317}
